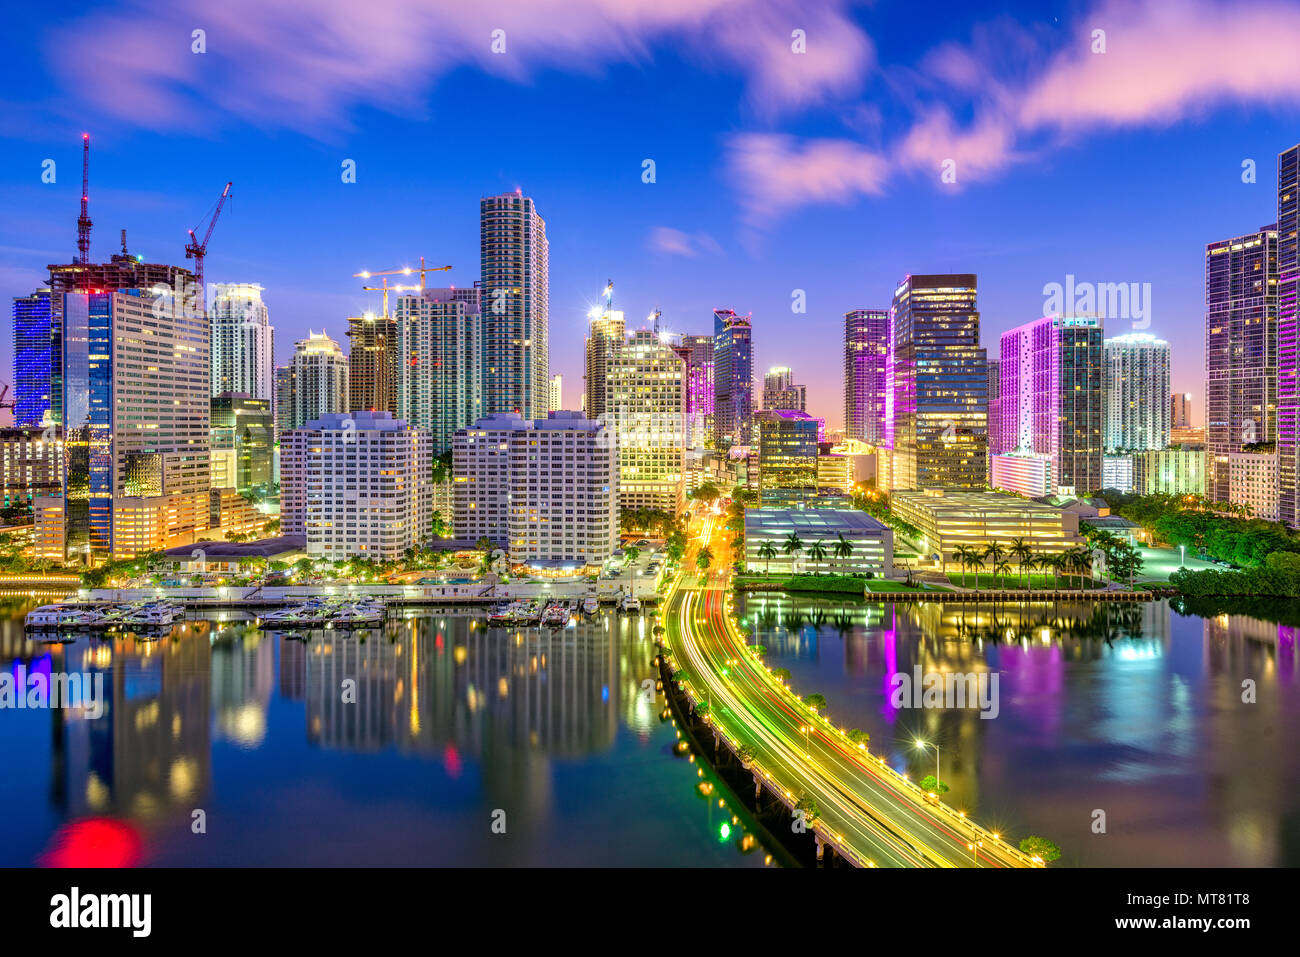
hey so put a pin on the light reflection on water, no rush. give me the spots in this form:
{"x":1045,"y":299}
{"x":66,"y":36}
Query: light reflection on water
{"x":1131,"y":709}
{"x":379,"y":749}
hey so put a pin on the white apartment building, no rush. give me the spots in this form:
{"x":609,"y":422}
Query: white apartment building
{"x":1252,"y":481}
{"x":243,"y":341}
{"x":1117,"y":472}
{"x":545,"y":489}
{"x":313,"y":384}
{"x":1138,"y":411}
{"x":356,"y":484}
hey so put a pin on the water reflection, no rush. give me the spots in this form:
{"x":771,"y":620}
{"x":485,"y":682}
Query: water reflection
{"x":1134,"y":709}
{"x":436,"y":717}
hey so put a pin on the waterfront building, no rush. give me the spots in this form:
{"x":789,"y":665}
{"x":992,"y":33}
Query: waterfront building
{"x":1252,"y":481}
{"x":947,"y":518}
{"x":31,"y":465}
{"x":1025,"y":473}
{"x":33,"y":362}
{"x":515,"y":264}
{"x":1177,"y":470}
{"x":733,"y":386}
{"x":136,"y":469}
{"x":866,"y":353}
{"x":243,"y":341}
{"x":242,"y":432}
{"x":1288,"y":335}
{"x":645,"y":390}
{"x":356,"y":485}
{"x":872,"y":541}
{"x":781,"y":392}
{"x":546,"y":490}
{"x":439,"y":353}
{"x":1052,"y":397}
{"x":1117,"y":472}
{"x":1137,"y":392}
{"x":1241,"y":352}
{"x":315,"y":383}
{"x":940,"y":384}
{"x":786,"y":451}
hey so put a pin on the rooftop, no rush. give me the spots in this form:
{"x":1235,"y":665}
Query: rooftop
{"x":826,"y":521}
{"x":217,"y":551}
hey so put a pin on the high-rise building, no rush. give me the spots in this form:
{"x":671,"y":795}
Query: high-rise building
{"x":1053,"y":397}
{"x":31,"y":465}
{"x":33,"y":364}
{"x":605,"y":335}
{"x":733,"y":379}
{"x":1241,"y":359}
{"x":357,"y":485}
{"x":697,"y":353}
{"x":997,"y":442}
{"x":136,"y":444}
{"x":373,"y":363}
{"x":1288,"y":335}
{"x":1137,"y":392}
{"x":122,"y":271}
{"x":940,"y":384}
{"x":1180,"y":410}
{"x":314,"y":384}
{"x":515,"y":288}
{"x":787,"y":456}
{"x":866,"y":353}
{"x":646,"y":408}
{"x":1169,"y":471}
{"x":781,"y":392}
{"x":243,"y":341}
{"x":545,"y":490}
{"x":439,"y":351}
{"x":557,"y":392}
{"x":243,"y":443}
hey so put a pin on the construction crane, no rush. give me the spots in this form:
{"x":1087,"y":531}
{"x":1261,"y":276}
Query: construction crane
{"x":405,"y":271}
{"x":197,"y":250}
{"x":83,"y":221}
{"x":5,"y":401}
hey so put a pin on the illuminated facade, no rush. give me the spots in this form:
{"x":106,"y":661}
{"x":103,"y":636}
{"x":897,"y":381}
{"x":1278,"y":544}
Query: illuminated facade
{"x":373,"y":364}
{"x":242,"y":438}
{"x":646,"y":394}
{"x":243,"y":341}
{"x":1025,"y":473}
{"x":866,"y":355}
{"x":871,"y":541}
{"x":605,"y":335}
{"x":787,"y":456}
{"x":33,"y":360}
{"x":733,"y":379}
{"x":356,"y":485}
{"x":697,"y":353}
{"x":1252,"y":481}
{"x":1137,"y":392}
{"x":1179,"y":470}
{"x":439,"y":362}
{"x":940,"y":384}
{"x":315,"y":383}
{"x":30,"y":465}
{"x":948,"y":518}
{"x":1241,"y":357}
{"x":515,"y":287}
{"x":1288,"y":334}
{"x":781,"y":392}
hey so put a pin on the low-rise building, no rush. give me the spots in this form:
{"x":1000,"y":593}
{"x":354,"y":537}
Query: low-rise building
{"x":1117,"y":472}
{"x":1024,"y":473}
{"x":1252,"y":481}
{"x":1177,"y":470}
{"x":948,"y":518}
{"x":872,"y":541}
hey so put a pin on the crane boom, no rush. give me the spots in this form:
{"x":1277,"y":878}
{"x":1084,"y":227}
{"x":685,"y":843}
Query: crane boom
{"x":83,"y":221}
{"x":198,"y":250}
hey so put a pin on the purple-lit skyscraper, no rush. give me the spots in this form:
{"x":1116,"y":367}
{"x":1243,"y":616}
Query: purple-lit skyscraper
{"x":1288,"y":332}
{"x":866,"y":352}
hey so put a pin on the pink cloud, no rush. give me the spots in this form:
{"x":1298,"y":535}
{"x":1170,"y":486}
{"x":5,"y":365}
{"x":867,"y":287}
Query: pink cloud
{"x":307,"y":63}
{"x":674,"y":242}
{"x":775,"y":173}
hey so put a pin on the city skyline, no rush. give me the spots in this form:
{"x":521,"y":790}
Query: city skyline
{"x":721,"y":225}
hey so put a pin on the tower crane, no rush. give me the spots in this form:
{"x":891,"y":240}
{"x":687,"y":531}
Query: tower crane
{"x":198,"y":250}
{"x":83,"y":221}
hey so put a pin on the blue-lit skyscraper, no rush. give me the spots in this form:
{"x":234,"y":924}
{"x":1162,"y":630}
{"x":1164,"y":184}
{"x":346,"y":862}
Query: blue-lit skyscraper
{"x":32,"y":355}
{"x":733,"y":379}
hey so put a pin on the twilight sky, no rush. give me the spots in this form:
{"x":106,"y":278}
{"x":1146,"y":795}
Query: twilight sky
{"x":775,"y":170}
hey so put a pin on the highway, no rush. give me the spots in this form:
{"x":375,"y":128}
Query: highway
{"x":869,"y":811}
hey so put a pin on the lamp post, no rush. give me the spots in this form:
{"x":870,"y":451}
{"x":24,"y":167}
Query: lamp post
{"x":1182,"y":555}
{"x":926,"y":744}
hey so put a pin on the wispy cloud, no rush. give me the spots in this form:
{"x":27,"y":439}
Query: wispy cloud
{"x":674,"y":242}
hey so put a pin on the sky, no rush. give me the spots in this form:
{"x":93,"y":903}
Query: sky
{"x":799,"y":152}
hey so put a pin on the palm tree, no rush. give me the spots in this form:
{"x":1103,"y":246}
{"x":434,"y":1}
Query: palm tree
{"x":1054,"y":563}
{"x":1082,"y":562}
{"x":817,"y":552}
{"x":1024,"y":555}
{"x":994,"y":553}
{"x":704,"y":558}
{"x":1001,"y":569}
{"x":968,"y":557}
{"x":792,"y":546}
{"x":767,"y":552}
{"x":843,"y":548}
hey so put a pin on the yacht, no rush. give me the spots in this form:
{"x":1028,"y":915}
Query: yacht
{"x":591,"y":605}
{"x":630,"y":603}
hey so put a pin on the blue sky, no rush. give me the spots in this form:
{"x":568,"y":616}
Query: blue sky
{"x":775,"y":170}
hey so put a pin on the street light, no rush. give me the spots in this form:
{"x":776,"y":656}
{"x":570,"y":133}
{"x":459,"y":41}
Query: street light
{"x":926,"y":744}
{"x":1182,"y":555}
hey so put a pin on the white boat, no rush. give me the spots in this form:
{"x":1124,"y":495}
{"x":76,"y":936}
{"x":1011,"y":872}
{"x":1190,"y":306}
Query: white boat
{"x":154,"y":615}
{"x":591,"y":605}
{"x":630,"y":603}
{"x":49,"y":617}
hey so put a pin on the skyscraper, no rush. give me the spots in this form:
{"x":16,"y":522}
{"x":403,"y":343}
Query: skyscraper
{"x":866,"y":352}
{"x":373,"y":363}
{"x":314,"y":384}
{"x":940,"y":384}
{"x":135,"y":401}
{"x":243,"y":341}
{"x":439,"y":350}
{"x":697,"y":353}
{"x":1137,"y":392}
{"x":1052,"y":397}
{"x":997,"y":443}
{"x":1241,"y":359}
{"x":646,"y":396}
{"x":557,"y":392}
{"x":1288,"y":334}
{"x":32,"y":360}
{"x":515,"y":289}
{"x":1180,"y":410}
{"x":605,"y":334}
{"x":787,"y":456}
{"x":781,"y":392}
{"x":733,"y":379}
{"x":242,"y":445}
